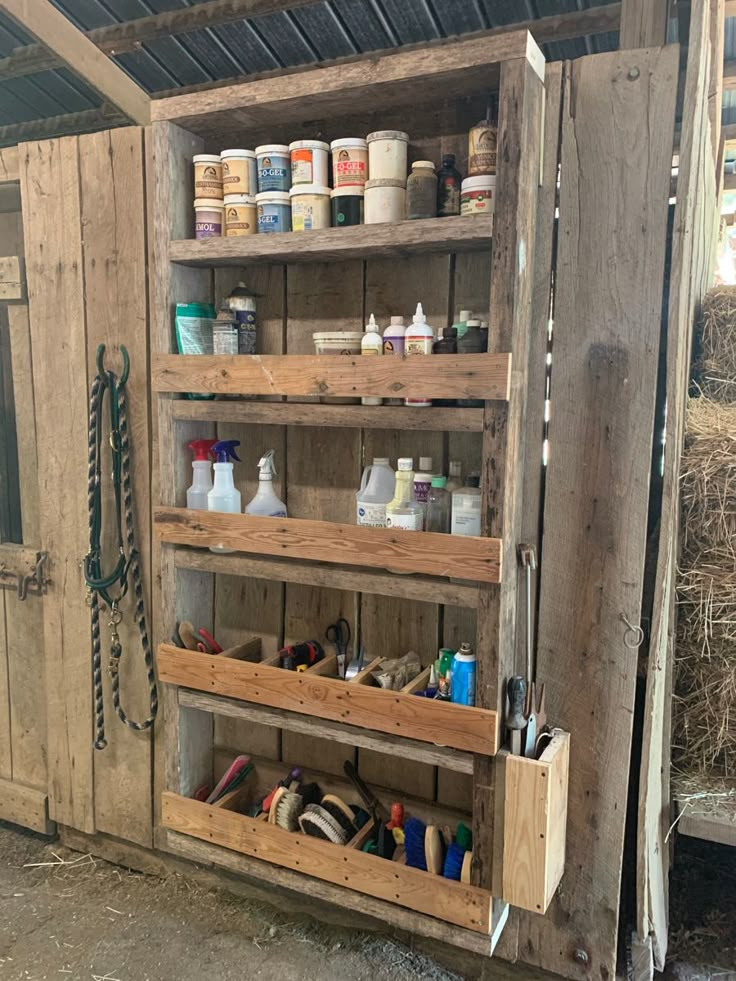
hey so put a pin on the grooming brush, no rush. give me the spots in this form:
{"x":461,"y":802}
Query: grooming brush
{"x":311,"y":793}
{"x":287,"y":810}
{"x":291,"y":782}
{"x":434,"y":849}
{"x":189,"y":636}
{"x":274,"y":803}
{"x":454,"y":859}
{"x":360,"y":816}
{"x":465,"y":874}
{"x":414,"y":834}
{"x":464,"y":837}
{"x":447,"y":835}
{"x":318,"y":823}
{"x":340,"y":812}
{"x":229,"y":781}
{"x":385,"y":842}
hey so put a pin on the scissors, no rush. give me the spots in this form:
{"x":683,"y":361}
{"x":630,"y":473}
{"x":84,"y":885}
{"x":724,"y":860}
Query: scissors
{"x":338,"y":634}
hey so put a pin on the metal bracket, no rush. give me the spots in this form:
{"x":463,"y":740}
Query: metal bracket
{"x":35,"y":582}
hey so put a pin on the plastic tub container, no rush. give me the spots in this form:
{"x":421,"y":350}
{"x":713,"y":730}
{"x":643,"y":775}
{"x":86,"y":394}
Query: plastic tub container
{"x":338,"y":342}
{"x":274,"y":212}
{"x":384,"y":201}
{"x":239,"y":172}
{"x":387,"y":155}
{"x":309,"y":162}
{"x":274,"y":167}
{"x":209,"y":217}
{"x":310,"y":207}
{"x":477,"y":195}
{"x":241,"y":215}
{"x":207,"y":175}
{"x":347,"y":204}
{"x":349,"y":162}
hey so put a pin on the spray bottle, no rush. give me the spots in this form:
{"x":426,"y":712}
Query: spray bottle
{"x":224,"y":495}
{"x":202,"y":474}
{"x":265,"y":501}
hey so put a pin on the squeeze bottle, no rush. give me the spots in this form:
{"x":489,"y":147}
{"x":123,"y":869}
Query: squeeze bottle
{"x":375,"y":492}
{"x":404,"y":511}
{"x":418,"y":340}
{"x":265,"y":501}
{"x":372,"y":343}
{"x":224,"y":495}
{"x":201,"y":474}
{"x":393,"y":343}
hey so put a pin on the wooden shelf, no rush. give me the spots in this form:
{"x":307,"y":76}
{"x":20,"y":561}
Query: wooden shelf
{"x":426,"y":589}
{"x":436,"y":419}
{"x":449,"y":376}
{"x":397,"y":713}
{"x":394,"y":240}
{"x":429,"y":553}
{"x":706,"y":807}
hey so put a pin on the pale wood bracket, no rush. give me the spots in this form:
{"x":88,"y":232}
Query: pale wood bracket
{"x":11,"y":278}
{"x":56,"y":32}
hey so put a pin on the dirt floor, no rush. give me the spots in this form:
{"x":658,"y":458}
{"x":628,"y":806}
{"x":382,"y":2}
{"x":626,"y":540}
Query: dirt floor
{"x":68,"y":917}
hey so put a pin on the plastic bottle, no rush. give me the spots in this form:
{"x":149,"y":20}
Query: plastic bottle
{"x":446,"y":343}
{"x":404,"y":511}
{"x":423,"y":480}
{"x":393,"y":343}
{"x":224,"y":495}
{"x":265,"y":502}
{"x":439,"y":506}
{"x":466,"y":508}
{"x":461,"y":324}
{"x":418,"y":340}
{"x":471,"y":339}
{"x":201,"y":474}
{"x":455,"y":479}
{"x":484,"y":336}
{"x":444,"y":673}
{"x":377,"y":489}
{"x":449,"y":180}
{"x":242,"y":302}
{"x":482,"y":143}
{"x":463,"y":676}
{"x":372,"y":343}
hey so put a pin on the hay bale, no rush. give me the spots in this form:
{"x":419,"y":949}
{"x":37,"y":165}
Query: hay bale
{"x":715,"y":365}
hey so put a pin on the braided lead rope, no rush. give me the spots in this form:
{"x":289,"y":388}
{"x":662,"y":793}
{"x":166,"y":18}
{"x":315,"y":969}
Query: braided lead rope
{"x":92,"y":599}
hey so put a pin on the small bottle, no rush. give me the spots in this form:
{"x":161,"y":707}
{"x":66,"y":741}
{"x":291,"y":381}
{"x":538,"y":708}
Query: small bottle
{"x":461,"y":324}
{"x":201,"y":474}
{"x":455,"y":479}
{"x":418,"y":340}
{"x":404,"y":511}
{"x":242,"y":303}
{"x":446,"y":343}
{"x":421,"y":191}
{"x":466,"y":507}
{"x":265,"y":502}
{"x":439,"y":506}
{"x":463,"y":676}
{"x":372,"y":343}
{"x":444,"y":673}
{"x":471,"y":340}
{"x":393,"y":343}
{"x":482,"y":143}
{"x":484,"y":336}
{"x":423,"y":480}
{"x":449,"y":180}
{"x":225,"y":332}
{"x":224,"y":495}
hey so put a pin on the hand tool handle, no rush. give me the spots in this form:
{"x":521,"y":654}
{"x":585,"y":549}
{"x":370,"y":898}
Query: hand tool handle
{"x":369,"y":798}
{"x":516,"y":692}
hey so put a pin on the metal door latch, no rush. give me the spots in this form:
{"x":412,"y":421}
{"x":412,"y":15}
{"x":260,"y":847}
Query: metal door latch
{"x":35,"y":581}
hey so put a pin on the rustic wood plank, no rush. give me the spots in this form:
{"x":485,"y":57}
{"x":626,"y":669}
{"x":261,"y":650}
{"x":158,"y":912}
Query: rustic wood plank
{"x":309,"y":725}
{"x":113,"y":219}
{"x":49,"y":26}
{"x":607,"y":328}
{"x":25,"y":806}
{"x":711,"y":818}
{"x":423,"y":588}
{"x":458,"y":726}
{"x":397,"y":240}
{"x":478,"y":559}
{"x":6,"y":758}
{"x":717,"y":31}
{"x":11,"y":278}
{"x":387,"y":80}
{"x":9,"y":167}
{"x":448,"y":900}
{"x":54,"y":268}
{"x":457,"y":376}
{"x":331,"y":416}
{"x":643,"y":23}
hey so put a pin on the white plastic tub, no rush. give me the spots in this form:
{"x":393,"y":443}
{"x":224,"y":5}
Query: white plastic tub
{"x":387,"y":155}
{"x":310,"y":207}
{"x":338,"y":342}
{"x":309,"y":162}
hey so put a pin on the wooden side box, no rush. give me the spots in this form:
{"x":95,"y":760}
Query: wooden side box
{"x":535,"y":824}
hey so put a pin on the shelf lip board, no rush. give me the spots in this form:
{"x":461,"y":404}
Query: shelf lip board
{"x":410,"y":749}
{"x":426,"y":720}
{"x":466,"y":233}
{"x":435,"y":420}
{"x":426,"y":589}
{"x":430,"y":553}
{"x":448,"y":376}
{"x":393,"y":79}
{"x":454,"y":902}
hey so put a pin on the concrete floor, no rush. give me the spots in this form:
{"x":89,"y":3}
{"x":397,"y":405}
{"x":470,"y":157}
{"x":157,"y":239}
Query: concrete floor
{"x":68,"y":917}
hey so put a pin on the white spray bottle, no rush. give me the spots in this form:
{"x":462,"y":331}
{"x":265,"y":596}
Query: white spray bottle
{"x":265,"y":501}
{"x":224,"y":495}
{"x":201,"y":474}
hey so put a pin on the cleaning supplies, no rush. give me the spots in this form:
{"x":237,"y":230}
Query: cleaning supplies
{"x":439,"y":504}
{"x":404,"y":511}
{"x":224,"y":495}
{"x":444,"y":673}
{"x":466,"y":508}
{"x":376,"y":491}
{"x":418,"y":340}
{"x":371,"y":343}
{"x":202,"y":474}
{"x":242,"y":303}
{"x":455,"y":479}
{"x":423,"y":480}
{"x":463,"y":676}
{"x":265,"y":501}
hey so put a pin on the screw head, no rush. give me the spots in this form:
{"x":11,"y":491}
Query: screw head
{"x":633,"y":74}
{"x":581,"y":956}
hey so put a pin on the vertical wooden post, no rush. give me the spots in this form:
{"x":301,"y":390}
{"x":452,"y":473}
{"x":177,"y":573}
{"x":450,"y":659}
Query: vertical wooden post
{"x":643,"y":23}
{"x":519,"y":144}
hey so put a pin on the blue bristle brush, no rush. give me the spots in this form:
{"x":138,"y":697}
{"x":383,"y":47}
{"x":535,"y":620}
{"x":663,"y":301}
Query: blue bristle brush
{"x":454,"y":862}
{"x":414,"y":834}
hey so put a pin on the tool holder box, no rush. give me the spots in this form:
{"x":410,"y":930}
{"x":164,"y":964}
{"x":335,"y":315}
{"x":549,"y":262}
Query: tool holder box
{"x":518,"y":805}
